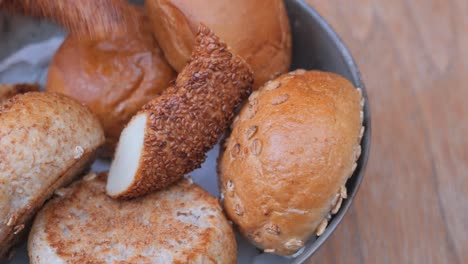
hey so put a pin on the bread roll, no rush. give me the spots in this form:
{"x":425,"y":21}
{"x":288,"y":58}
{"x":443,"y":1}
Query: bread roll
{"x":182,"y":224}
{"x":114,"y":77}
{"x":45,"y":141}
{"x":257,"y":30}
{"x":284,"y":167}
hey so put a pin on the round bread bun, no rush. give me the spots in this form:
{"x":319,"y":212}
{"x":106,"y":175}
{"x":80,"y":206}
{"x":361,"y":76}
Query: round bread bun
{"x":182,"y":224}
{"x":46,"y":140}
{"x":258,"y":31}
{"x":284,"y":167}
{"x":114,"y":77}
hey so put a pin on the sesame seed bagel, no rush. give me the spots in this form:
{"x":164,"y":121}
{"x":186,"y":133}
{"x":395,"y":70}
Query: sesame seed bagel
{"x":182,"y":224}
{"x":284,"y":167}
{"x":170,"y":136}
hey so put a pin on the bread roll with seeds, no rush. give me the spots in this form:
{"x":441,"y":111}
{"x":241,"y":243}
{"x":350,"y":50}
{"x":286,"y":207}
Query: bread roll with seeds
{"x":114,"y":77}
{"x":258,"y":31}
{"x":182,"y":224}
{"x":171,"y":134}
{"x":46,"y":140}
{"x":283,"y":169}
{"x":9,"y":90}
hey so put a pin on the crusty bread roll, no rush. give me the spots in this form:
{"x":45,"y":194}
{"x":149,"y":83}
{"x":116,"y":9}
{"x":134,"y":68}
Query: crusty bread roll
{"x":115,"y":77}
{"x":45,"y":141}
{"x":256,"y":30}
{"x":9,"y":90}
{"x":284,"y":167}
{"x":182,"y":224}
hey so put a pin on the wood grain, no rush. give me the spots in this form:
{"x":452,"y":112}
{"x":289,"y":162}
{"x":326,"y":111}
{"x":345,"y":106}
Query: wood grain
{"x":413,"y":204}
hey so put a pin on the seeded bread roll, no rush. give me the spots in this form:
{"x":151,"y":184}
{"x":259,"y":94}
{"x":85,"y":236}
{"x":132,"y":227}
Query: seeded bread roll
{"x":258,"y":31}
{"x":114,"y":77}
{"x":182,"y":224}
{"x":46,"y":140}
{"x":284,"y":167}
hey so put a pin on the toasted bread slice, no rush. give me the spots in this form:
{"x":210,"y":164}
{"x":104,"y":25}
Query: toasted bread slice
{"x":45,"y":141}
{"x":182,"y":224}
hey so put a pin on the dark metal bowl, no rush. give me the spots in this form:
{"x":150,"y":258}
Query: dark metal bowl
{"x":317,"y":46}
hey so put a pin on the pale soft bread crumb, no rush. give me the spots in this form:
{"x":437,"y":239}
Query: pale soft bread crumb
{"x":127,"y":156}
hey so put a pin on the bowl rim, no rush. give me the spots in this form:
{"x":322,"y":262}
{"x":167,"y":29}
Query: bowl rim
{"x":358,"y":174}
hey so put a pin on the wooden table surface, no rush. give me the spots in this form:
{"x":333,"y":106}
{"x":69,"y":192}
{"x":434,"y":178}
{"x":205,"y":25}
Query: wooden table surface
{"x":413,"y":204}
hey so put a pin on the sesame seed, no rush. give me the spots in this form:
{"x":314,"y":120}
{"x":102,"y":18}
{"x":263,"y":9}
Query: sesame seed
{"x":78,"y":152}
{"x":256,"y":147}
{"x":272,"y":229}
{"x":337,"y":206}
{"x":272,"y":85}
{"x":280,"y":99}
{"x":294,"y":244}
{"x":343,"y":192}
{"x":251,"y":131}
{"x":90,"y":177}
{"x":321,"y":227}
{"x":298,"y":72}
{"x":18,"y":229}
{"x":238,"y":210}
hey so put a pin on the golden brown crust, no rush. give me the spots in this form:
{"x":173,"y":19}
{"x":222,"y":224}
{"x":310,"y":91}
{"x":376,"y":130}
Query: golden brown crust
{"x":293,"y":147}
{"x":188,"y":118}
{"x":113,"y":77}
{"x":179,"y":225}
{"x":174,"y":33}
{"x":45,"y":141}
{"x":258,"y":31}
{"x":86,"y":18}
{"x":7,"y":91}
